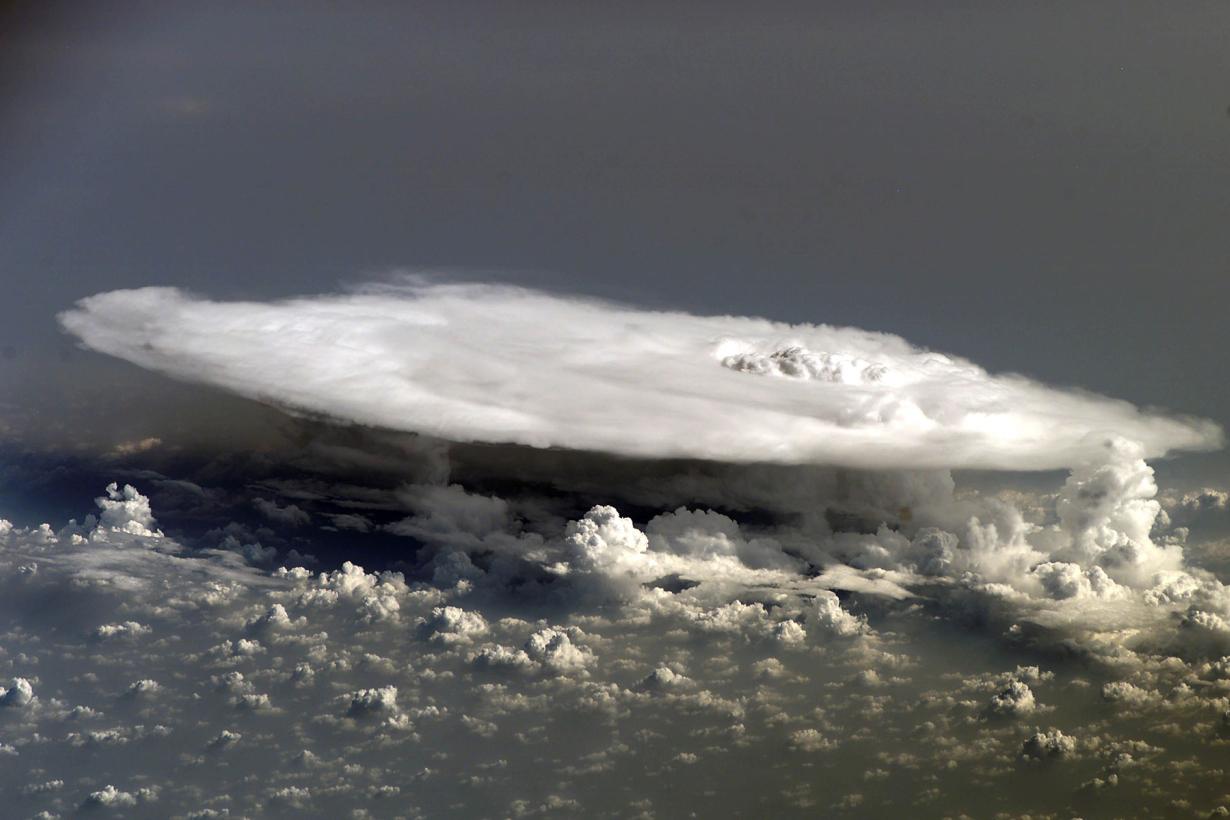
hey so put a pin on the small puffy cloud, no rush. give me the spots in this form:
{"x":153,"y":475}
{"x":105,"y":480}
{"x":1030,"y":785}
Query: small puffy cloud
{"x":810,"y":740}
{"x":1014,"y":700}
{"x":934,"y":551}
{"x":45,"y":787}
{"x":275,"y":619}
{"x":453,"y":625}
{"x":253,"y":702}
{"x":829,"y":616}
{"x":225,"y":739}
{"x":769,"y":668}
{"x":120,"y":631}
{"x":126,"y":511}
{"x":1172,"y":587}
{"x":1063,"y":580}
{"x":142,"y":688}
{"x":705,"y":534}
{"x":1129,"y":694}
{"x":790,"y":633}
{"x":603,"y":540}
{"x":296,"y":797}
{"x":554,"y":649}
{"x":364,"y":703}
{"x":503,"y":657}
{"x":664,"y":679}
{"x":111,"y":797}
{"x":376,"y":597}
{"x":18,"y":695}
{"x":1203,"y":500}
{"x":1048,"y":745}
{"x":735,"y":618}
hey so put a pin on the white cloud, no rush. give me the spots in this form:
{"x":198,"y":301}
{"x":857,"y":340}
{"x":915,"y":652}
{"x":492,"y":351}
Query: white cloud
{"x":811,"y":740}
{"x":453,"y":625}
{"x":111,"y":796}
{"x":368,"y":702}
{"x":1013,"y":700}
{"x":18,"y":695}
{"x":498,"y":364}
{"x":225,"y":739}
{"x":664,"y":679}
{"x":127,"y":629}
{"x":554,"y":649}
{"x":605,"y":541}
{"x":126,"y":511}
{"x":829,"y":616}
{"x":1064,"y":580}
{"x":143,"y":688}
{"x":1049,"y":744}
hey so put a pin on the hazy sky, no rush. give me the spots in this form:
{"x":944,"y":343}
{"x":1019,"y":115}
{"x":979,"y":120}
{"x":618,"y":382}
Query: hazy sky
{"x":1043,"y":188}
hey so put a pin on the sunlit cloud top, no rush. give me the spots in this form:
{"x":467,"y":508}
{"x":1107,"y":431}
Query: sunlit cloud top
{"x":499,"y":364}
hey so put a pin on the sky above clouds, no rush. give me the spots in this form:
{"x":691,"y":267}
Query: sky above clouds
{"x":474,"y":410}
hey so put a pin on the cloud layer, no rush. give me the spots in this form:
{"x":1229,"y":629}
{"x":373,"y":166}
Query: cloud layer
{"x":479,"y":363}
{"x":140,"y":677}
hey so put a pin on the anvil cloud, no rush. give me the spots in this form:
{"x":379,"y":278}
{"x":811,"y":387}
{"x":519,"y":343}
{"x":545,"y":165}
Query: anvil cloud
{"x":500,"y":364}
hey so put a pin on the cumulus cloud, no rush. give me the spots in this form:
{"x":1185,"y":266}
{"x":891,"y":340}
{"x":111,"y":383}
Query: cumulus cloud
{"x":19,"y":694}
{"x":110,"y":796}
{"x":126,"y":511}
{"x":810,"y":740}
{"x":498,"y":364}
{"x":1014,"y":700}
{"x":125,"y":630}
{"x":664,"y":679}
{"x":830,"y":616}
{"x":368,"y":702}
{"x":1048,"y":745}
{"x":554,"y":649}
{"x":452,"y":625}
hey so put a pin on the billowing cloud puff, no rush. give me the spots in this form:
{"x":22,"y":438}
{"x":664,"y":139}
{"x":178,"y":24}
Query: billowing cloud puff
{"x":1049,"y":744}
{"x":604,"y":540}
{"x":126,"y":511}
{"x":498,"y":364}
{"x":365,"y":702}
{"x":554,"y":649}
{"x":1015,"y":699}
{"x":451,"y":625}
{"x":18,"y":695}
{"x":833,"y":618}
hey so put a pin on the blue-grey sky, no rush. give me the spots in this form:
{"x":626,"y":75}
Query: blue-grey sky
{"x":1042,"y":188}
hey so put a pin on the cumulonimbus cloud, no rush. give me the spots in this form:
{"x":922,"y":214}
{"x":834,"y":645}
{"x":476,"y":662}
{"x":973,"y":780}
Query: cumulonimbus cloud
{"x":500,"y":364}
